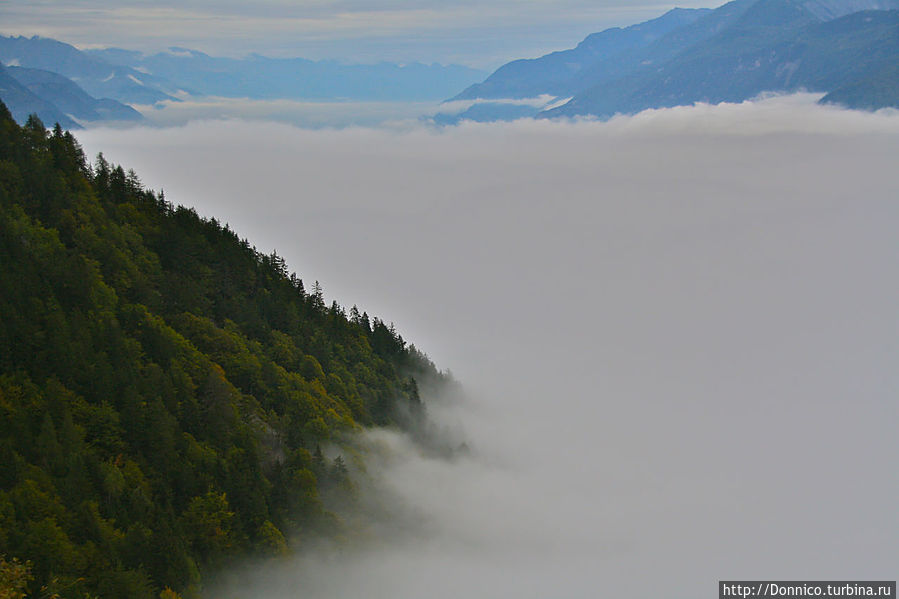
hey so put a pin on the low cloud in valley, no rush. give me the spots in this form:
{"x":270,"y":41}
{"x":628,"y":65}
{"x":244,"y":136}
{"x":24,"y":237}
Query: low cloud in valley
{"x":677,"y":332}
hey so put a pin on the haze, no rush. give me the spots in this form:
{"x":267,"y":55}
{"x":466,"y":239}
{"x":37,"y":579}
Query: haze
{"x":677,"y":332}
{"x":484,"y":34}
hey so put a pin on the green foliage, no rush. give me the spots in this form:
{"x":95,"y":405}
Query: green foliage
{"x":165,"y":389}
{"x":271,"y":540}
{"x":209,"y":520}
{"x":14,"y":578}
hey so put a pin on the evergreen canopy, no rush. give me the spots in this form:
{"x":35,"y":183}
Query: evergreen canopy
{"x":165,"y":388}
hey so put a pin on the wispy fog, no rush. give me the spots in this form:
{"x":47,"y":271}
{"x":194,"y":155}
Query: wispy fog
{"x":679,"y":333}
{"x":307,"y":114}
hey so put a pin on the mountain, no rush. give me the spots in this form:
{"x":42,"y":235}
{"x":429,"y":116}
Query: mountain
{"x":833,"y":9}
{"x":676,"y":31}
{"x":134,"y":78}
{"x":778,"y":45}
{"x":261,"y":77}
{"x":488,"y":112}
{"x":877,"y":90}
{"x":97,"y":77}
{"x":731,"y":53}
{"x":22,"y":102}
{"x":171,"y":399}
{"x":66,"y":95}
{"x":560,"y":73}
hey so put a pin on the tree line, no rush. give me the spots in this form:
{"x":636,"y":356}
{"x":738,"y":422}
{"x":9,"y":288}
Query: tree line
{"x":165,"y":388}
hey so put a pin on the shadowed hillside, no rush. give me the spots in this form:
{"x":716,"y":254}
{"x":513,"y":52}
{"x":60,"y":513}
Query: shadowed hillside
{"x":166,"y":390}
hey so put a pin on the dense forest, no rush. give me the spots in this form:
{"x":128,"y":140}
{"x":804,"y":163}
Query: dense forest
{"x":166,"y":390}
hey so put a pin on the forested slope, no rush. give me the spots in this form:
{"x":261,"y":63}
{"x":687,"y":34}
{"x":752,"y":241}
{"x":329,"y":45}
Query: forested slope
{"x":165,"y":389}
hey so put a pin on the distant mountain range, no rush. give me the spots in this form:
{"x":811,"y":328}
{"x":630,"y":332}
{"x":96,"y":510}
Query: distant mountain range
{"x":259,"y":77}
{"x":62,"y":83}
{"x":97,"y":77}
{"x":22,"y":102}
{"x":846,"y":49}
{"x":57,"y":99}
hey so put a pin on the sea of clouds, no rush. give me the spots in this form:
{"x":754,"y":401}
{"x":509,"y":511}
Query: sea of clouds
{"x":677,"y":332}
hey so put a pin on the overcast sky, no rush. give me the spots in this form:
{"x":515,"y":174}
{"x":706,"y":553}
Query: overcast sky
{"x":482,"y":34}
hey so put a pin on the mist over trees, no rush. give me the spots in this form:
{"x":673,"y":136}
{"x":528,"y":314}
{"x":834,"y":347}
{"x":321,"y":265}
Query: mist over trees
{"x":166,"y":390}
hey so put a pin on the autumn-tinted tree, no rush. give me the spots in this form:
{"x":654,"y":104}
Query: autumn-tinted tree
{"x":165,"y":388}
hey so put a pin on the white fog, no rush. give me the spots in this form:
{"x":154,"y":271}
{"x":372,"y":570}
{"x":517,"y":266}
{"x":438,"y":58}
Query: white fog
{"x":677,"y":331}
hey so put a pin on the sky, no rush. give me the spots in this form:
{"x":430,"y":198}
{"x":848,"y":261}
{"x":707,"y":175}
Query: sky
{"x":676,"y":331}
{"x":483,"y":34}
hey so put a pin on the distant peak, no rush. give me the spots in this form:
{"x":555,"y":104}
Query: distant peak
{"x":183,"y":52}
{"x":833,"y":9}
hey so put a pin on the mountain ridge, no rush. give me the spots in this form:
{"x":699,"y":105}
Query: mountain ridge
{"x":792,"y":55}
{"x":69,"y":97}
{"x":97,"y":77}
{"x":132,"y":77}
{"x":23,"y":102}
{"x":731,"y":53}
{"x":613,"y":41}
{"x":171,"y":399}
{"x":57,"y":99}
{"x":262,"y":77}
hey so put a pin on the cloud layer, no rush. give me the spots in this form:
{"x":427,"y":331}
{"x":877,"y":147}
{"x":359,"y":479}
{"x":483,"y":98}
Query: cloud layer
{"x":678,"y":330}
{"x":306,"y":114}
{"x":483,"y":34}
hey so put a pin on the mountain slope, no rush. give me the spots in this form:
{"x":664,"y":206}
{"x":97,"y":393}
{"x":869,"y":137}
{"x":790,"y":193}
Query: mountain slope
{"x":827,"y":10}
{"x":742,"y":32}
{"x":134,"y":78}
{"x":97,"y":77}
{"x":22,"y":102}
{"x":261,"y":77}
{"x":878,"y":89}
{"x":673,"y":32}
{"x":642,"y":61}
{"x":777,"y":46}
{"x":560,"y":73}
{"x":167,"y":393}
{"x":731,"y":53}
{"x":70,"y":98}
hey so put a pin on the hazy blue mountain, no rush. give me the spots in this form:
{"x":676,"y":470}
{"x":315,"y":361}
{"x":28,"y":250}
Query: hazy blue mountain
{"x":686,"y":63}
{"x":673,"y":32}
{"x":878,"y":89}
{"x":264,"y":78}
{"x":560,"y":73}
{"x":731,"y":53}
{"x":487,"y":112}
{"x":66,"y":95}
{"x":22,"y":102}
{"x":834,"y":9}
{"x":777,"y":45}
{"x":132,"y":77}
{"x":643,"y":61}
{"x":97,"y":77}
